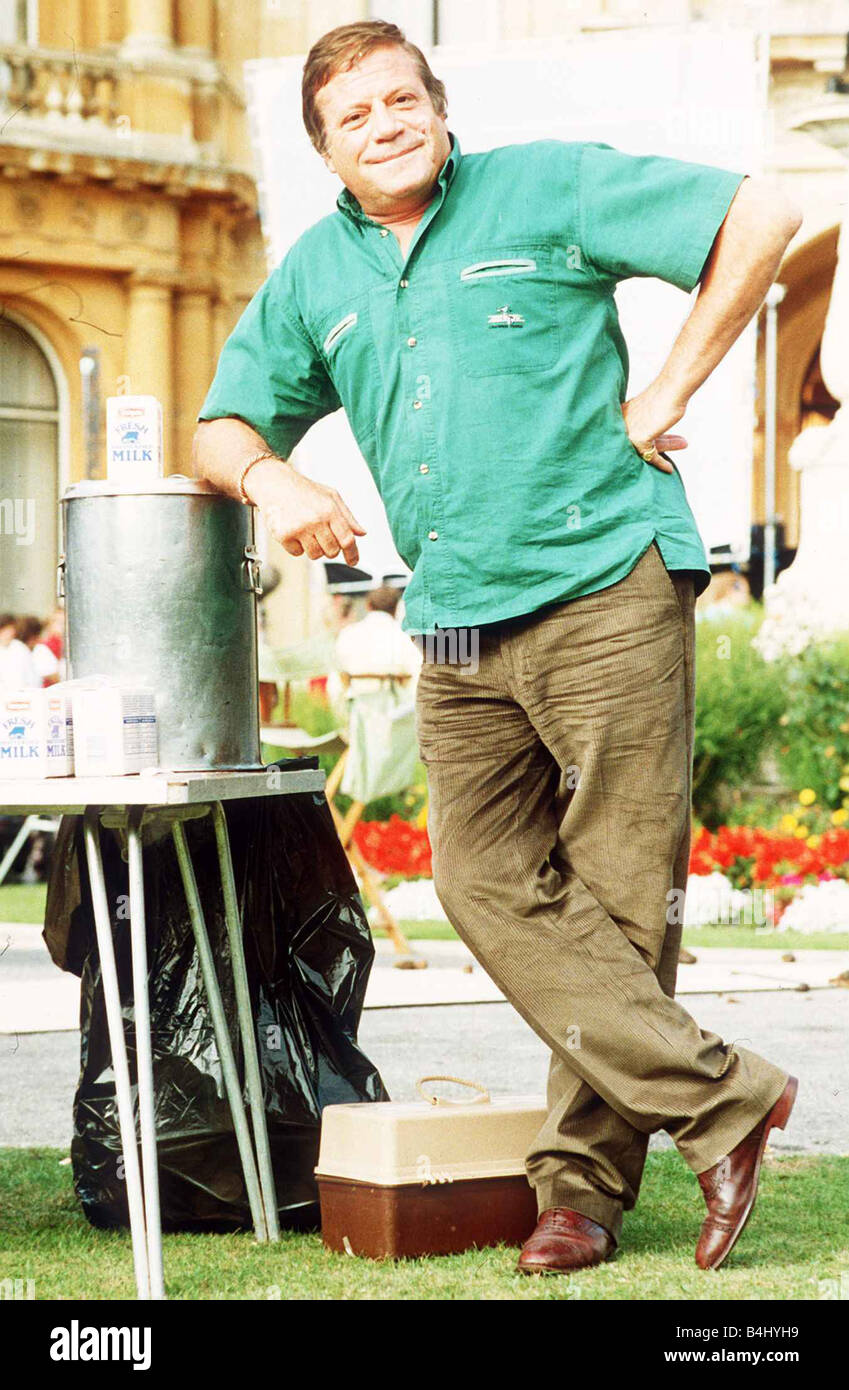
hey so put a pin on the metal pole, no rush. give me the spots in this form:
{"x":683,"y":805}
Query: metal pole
{"x":774,"y":296}
{"x":222,"y":1036}
{"x":144,"y":1054}
{"x":246,"y":1024}
{"x":118,"y":1045}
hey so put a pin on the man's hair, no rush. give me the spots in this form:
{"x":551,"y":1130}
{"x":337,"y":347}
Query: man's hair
{"x":384,"y":599}
{"x":340,"y":49}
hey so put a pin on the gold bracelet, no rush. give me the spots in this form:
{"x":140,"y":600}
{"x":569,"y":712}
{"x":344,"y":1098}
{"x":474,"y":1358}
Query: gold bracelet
{"x":258,"y":458}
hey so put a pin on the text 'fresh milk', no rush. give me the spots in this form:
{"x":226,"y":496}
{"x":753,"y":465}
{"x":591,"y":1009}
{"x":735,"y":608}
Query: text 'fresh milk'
{"x":36,"y":733}
{"x":133,"y":439}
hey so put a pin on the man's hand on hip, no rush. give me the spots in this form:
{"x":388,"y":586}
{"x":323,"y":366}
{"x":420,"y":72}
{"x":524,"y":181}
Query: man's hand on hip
{"x":304,"y":516}
{"x":647,"y":418}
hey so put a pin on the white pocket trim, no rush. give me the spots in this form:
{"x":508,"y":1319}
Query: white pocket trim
{"x":336,"y":332}
{"x":483,"y":269}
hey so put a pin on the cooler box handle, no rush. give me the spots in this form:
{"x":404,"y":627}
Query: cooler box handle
{"x":441,"y":1100}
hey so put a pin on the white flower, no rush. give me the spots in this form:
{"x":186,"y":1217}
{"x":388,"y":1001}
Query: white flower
{"x":712,"y":899}
{"x":790,"y":625}
{"x":413,"y":900}
{"x":819,"y":907}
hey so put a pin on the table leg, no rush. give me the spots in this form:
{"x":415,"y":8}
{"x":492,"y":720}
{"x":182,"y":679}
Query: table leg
{"x":144,"y":1054}
{"x":246,"y":1022}
{"x":222,"y":1036}
{"x":118,"y":1045}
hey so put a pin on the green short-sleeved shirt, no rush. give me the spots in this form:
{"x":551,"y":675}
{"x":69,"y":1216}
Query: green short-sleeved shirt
{"x":484,"y":375}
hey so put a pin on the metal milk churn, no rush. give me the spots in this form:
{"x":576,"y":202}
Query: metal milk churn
{"x":160,"y":584}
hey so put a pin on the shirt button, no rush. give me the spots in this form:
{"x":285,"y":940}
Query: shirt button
{"x":404,"y":284}
{"x":417,"y":405}
{"x":423,"y":468}
{"x":384,"y":232}
{"x":411,"y":342}
{"x":432,"y":535}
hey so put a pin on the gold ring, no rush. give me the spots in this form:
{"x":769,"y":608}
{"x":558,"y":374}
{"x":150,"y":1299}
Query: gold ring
{"x":649,"y":454}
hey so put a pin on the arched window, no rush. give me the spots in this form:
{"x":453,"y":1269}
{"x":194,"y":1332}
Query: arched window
{"x":29,"y":474}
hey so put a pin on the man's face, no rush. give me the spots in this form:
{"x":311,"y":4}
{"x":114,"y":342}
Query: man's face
{"x":382,"y":135}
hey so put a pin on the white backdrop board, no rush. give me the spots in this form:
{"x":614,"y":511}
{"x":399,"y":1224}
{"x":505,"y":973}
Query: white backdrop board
{"x":696,"y":92}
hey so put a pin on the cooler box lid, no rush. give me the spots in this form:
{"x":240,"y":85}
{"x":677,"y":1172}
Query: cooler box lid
{"x":387,"y":1143}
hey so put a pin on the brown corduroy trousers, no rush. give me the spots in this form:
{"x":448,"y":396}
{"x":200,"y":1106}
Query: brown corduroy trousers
{"x":559,"y":777}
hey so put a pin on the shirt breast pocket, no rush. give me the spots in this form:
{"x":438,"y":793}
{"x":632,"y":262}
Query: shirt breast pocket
{"x":347,"y":347}
{"x":504,"y":312}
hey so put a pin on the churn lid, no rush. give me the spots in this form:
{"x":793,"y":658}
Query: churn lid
{"x":104,"y":487}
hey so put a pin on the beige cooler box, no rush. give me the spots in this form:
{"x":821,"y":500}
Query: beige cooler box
{"x":430,"y":1177}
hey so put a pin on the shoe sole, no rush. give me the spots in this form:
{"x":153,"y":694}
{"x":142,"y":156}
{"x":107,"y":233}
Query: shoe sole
{"x":778,"y":1117}
{"x":554,"y":1269}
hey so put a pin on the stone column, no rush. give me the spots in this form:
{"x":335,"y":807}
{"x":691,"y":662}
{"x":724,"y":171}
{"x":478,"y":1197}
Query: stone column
{"x":149,"y":26}
{"x":224,"y":316}
{"x":148,"y":363}
{"x":193,"y":367}
{"x":196,"y":25}
{"x":810,"y":597}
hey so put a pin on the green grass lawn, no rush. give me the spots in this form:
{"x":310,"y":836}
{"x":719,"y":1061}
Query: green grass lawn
{"x":24,"y":902}
{"x":693,"y":937}
{"x":797,"y":1238}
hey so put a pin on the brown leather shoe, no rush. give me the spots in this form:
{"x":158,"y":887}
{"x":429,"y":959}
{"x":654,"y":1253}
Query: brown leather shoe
{"x":564,"y":1240}
{"x":731,"y":1186}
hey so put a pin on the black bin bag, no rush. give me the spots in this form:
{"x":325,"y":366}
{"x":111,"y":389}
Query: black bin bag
{"x":308,"y":952}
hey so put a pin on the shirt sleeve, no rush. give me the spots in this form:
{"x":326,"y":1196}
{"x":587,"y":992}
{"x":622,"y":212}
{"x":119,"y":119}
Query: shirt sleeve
{"x":650,"y":215}
{"x":270,"y":373}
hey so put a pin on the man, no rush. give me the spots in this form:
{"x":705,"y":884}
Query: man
{"x":32,"y":632}
{"x":377,"y":645}
{"x":461,"y":309}
{"x":18,"y":671}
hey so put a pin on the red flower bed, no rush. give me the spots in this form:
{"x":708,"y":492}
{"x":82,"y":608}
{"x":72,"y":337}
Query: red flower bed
{"x":750,"y":857}
{"x":395,"y":846}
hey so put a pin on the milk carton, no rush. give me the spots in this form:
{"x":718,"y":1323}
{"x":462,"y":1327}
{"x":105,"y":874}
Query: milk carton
{"x":36,"y":733}
{"x":133,"y":439}
{"x":115,"y":729}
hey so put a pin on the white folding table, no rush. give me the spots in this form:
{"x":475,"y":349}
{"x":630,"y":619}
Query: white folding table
{"x":169,"y":798}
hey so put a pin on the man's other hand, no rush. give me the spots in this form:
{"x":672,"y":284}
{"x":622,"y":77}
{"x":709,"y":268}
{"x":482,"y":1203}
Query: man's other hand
{"x":304,"y":516}
{"x":647,"y":418}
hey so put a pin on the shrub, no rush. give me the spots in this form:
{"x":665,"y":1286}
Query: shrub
{"x":814,"y":746}
{"x":740,"y":699}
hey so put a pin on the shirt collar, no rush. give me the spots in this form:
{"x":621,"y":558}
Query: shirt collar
{"x":347,"y":203}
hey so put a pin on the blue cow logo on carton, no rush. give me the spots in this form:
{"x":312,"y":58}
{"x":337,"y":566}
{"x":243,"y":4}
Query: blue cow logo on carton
{"x":133,"y":447}
{"x":20,"y":729}
{"x":15,"y":735}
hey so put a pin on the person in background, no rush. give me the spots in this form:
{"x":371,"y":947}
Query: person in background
{"x":31,"y":632}
{"x":53,"y":635}
{"x":17,"y":669}
{"x":340,"y":611}
{"x":374,"y":646}
{"x":728,"y":590}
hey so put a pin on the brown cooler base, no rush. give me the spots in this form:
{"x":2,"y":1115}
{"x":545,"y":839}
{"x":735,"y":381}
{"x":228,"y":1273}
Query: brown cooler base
{"x":405,"y":1222}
